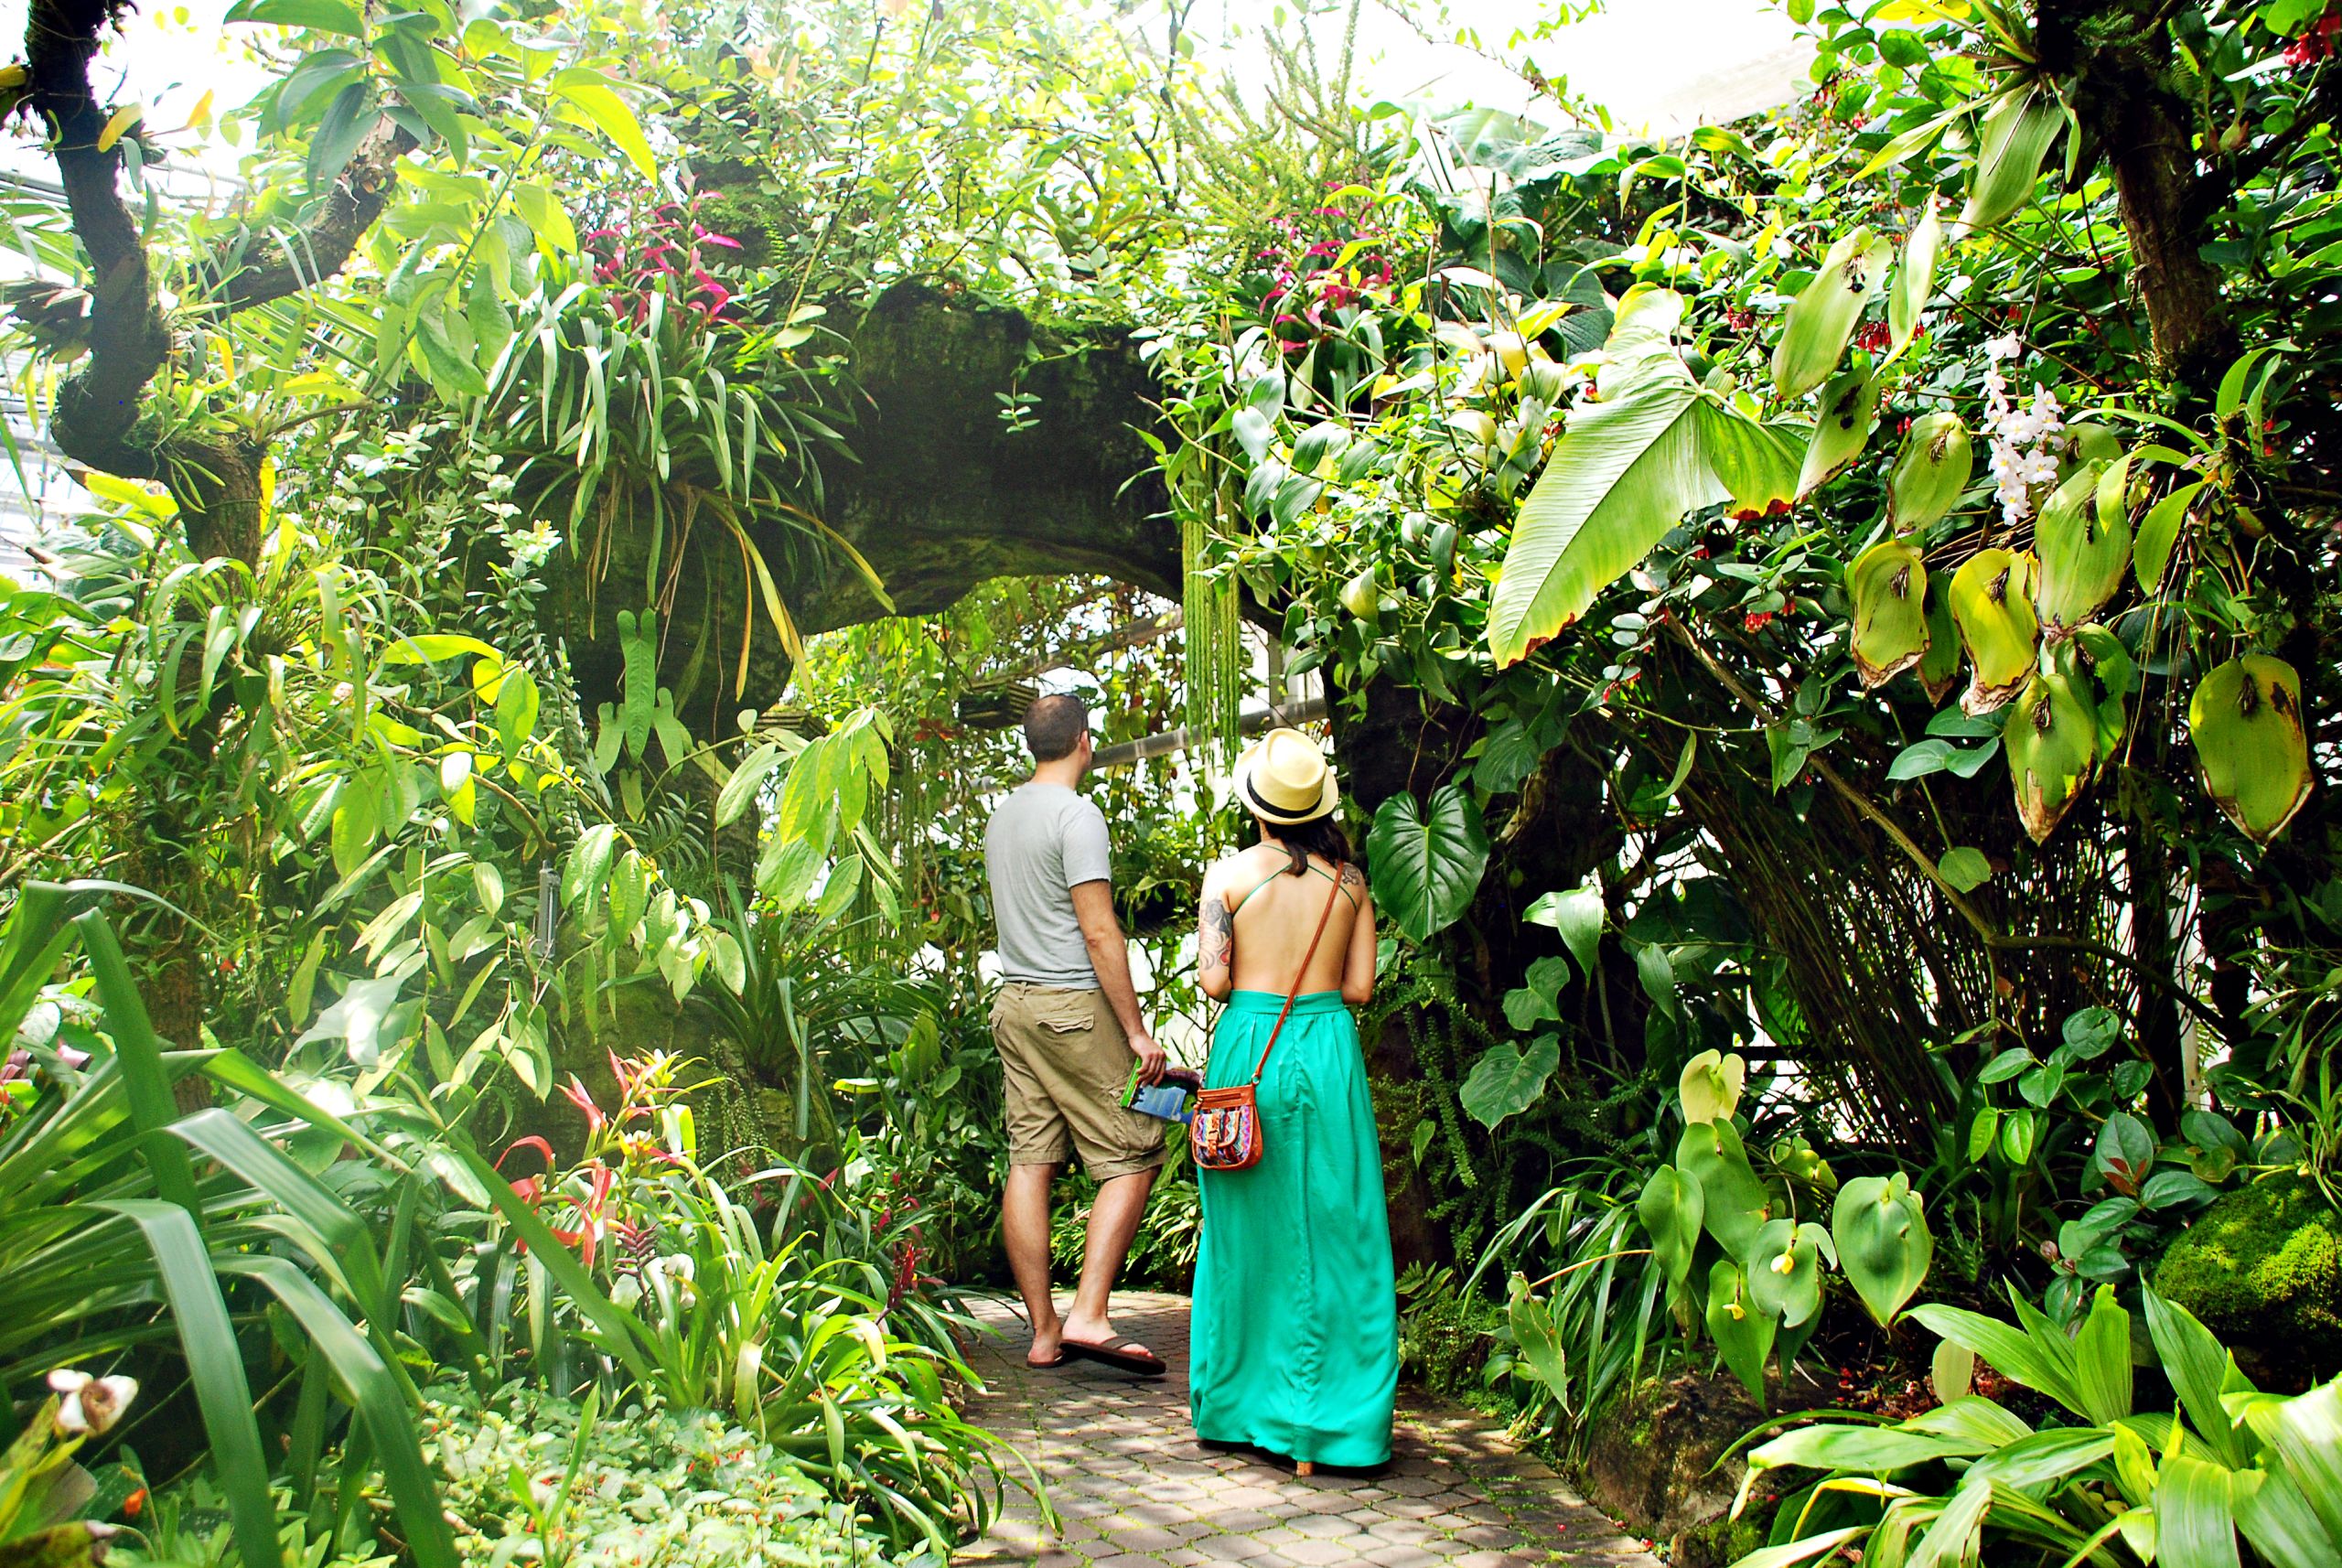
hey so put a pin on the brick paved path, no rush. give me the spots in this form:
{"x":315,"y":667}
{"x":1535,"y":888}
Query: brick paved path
{"x":1136,"y":1491}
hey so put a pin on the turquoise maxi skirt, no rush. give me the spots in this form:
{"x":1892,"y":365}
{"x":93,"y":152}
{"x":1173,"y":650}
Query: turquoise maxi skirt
{"x":1294,"y":1342}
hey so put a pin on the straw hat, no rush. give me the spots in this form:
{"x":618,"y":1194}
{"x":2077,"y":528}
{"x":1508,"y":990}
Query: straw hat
{"x":1283,"y":777}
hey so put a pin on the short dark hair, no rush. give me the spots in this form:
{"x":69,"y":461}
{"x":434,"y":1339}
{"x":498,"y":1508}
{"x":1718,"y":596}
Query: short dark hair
{"x":1054,"y":724}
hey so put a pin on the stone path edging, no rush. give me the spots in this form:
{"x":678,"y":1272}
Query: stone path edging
{"x":1136,"y":1491}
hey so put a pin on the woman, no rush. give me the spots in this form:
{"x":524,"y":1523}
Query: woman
{"x":1296,"y":1336}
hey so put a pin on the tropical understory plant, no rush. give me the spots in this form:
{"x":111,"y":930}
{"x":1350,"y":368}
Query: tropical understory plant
{"x":2227,"y":1474}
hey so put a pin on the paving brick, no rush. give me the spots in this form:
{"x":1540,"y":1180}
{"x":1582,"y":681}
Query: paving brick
{"x":1136,"y":1491}
{"x":1324,"y":1526}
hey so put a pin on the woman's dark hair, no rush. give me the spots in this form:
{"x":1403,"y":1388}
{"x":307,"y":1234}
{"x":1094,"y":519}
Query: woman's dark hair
{"x":1320,"y":836}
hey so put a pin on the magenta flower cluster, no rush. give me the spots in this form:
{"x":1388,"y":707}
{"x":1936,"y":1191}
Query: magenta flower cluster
{"x":663,"y":253}
{"x":1308,"y":277}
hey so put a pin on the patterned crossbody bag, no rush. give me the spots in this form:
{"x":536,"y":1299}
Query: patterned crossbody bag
{"x":1226,"y":1133}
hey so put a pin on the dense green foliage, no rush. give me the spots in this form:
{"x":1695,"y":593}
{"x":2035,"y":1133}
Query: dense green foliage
{"x":1829,"y":624}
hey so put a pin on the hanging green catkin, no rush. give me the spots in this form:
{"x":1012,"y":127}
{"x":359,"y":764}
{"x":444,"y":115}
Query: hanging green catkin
{"x":1213,"y":640}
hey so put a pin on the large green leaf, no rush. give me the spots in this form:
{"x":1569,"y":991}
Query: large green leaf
{"x":1579,"y":915}
{"x":1540,"y":1346}
{"x":1744,"y":1330}
{"x":2195,"y":1517}
{"x":2201,"y":1369}
{"x":383,"y":1400}
{"x":2042,"y":1366}
{"x":1507,"y":1081}
{"x":215,"y":1365}
{"x":1734,"y":1203}
{"x":1427,"y":865}
{"x":1625,"y":471}
{"x":2246,"y":721}
{"x":1785,"y":1269}
{"x":1670,"y":1208}
{"x":1883,"y":1241}
{"x":2305,"y":1437}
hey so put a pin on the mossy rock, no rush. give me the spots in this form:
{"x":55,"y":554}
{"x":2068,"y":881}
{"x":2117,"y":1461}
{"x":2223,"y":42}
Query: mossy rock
{"x":1655,"y":1462}
{"x":2262,"y":1268}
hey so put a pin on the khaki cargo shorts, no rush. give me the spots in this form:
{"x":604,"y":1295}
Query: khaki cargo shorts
{"x":1065,"y":1059}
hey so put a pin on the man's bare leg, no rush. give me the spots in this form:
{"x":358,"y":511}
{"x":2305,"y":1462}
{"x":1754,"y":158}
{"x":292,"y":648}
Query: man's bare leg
{"x":1113,"y":1222}
{"x":1024,"y":1232}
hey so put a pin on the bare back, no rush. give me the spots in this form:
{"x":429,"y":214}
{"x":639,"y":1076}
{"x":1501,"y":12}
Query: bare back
{"x":1259,"y":919}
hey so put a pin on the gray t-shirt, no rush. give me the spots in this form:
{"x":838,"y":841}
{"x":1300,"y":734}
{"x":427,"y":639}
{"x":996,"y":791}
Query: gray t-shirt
{"x":1044,"y":842}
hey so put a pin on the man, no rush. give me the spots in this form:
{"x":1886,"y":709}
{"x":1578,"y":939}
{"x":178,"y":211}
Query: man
{"x":1068,"y":1024}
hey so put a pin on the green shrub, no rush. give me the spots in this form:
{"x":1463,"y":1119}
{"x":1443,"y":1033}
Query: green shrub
{"x":649,"y":1487}
{"x":2262,"y":1268}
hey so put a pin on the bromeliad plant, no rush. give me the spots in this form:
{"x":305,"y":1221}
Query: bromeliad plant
{"x":2231,"y":1476}
{"x":1736,"y":1252}
{"x":769,"y":1300}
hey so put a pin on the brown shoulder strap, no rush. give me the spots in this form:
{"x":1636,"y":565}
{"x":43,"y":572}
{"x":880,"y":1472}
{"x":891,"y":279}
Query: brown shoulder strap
{"x":1299,"y":976}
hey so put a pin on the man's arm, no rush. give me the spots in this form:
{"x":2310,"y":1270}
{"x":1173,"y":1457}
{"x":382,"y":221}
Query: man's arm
{"x":1101,"y":932}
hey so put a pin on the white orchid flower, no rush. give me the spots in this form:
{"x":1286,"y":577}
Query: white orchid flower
{"x":88,"y":1406}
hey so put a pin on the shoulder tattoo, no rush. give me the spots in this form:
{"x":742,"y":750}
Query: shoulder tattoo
{"x":1353,"y":875}
{"x":1219,"y":944}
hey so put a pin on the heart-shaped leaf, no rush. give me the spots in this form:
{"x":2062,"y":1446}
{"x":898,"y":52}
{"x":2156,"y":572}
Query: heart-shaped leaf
{"x":1743,"y":1329}
{"x":1670,"y":1209}
{"x":1427,"y":864}
{"x":1540,"y":1346}
{"x":1883,"y":1245}
{"x":1735,"y":1204}
{"x":1577,"y":915}
{"x":1507,"y":1081}
{"x":1783,"y":1270}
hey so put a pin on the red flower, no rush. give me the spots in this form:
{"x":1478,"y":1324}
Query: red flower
{"x":1756,"y":622}
{"x":594,"y":1120}
{"x":539,"y":1144}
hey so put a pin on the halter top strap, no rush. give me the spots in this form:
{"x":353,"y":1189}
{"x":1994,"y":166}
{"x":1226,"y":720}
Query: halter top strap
{"x":1273,"y":876}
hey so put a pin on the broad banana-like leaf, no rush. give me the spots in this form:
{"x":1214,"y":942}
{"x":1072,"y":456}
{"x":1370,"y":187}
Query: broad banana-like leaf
{"x":1991,"y":602}
{"x":1743,"y":1329}
{"x":2052,"y":740}
{"x":1914,"y":276}
{"x":2011,"y":143}
{"x":1888,"y":584}
{"x":1625,"y":471}
{"x":1756,"y":464}
{"x":1847,"y":405}
{"x":1939,"y":667}
{"x":1821,"y":320}
{"x":2246,"y":721}
{"x":1884,"y":1244}
{"x":2083,"y":552}
{"x":1931,"y":471}
{"x":1710,"y":1085}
